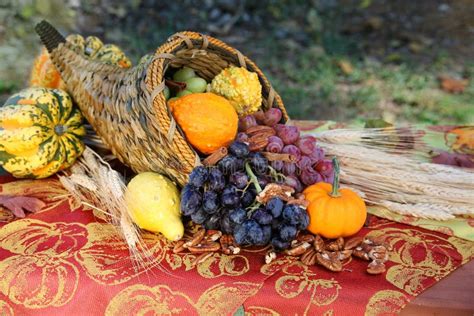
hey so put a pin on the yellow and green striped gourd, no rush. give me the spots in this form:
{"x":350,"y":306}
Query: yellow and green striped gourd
{"x":40,"y":133}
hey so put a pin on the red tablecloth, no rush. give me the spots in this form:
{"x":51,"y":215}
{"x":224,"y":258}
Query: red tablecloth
{"x":64,"y":261}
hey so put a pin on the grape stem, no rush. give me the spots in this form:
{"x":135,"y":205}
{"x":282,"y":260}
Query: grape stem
{"x":335,"y":183}
{"x":252,"y":208}
{"x":276,"y":175}
{"x":253,"y":177}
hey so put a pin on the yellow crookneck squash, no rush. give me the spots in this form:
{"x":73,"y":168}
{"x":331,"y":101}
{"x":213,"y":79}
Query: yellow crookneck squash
{"x":44,"y":73}
{"x":40,"y":133}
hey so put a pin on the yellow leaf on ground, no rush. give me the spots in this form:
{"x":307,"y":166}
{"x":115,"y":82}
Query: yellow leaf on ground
{"x":346,"y":66}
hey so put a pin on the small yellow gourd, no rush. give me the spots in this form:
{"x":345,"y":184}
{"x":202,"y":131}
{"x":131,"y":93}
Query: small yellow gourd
{"x":154,"y":204}
{"x":241,"y":87}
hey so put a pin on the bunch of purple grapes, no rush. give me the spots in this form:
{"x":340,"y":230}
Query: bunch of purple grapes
{"x":223,"y":197}
{"x":310,"y":166}
{"x":276,"y":223}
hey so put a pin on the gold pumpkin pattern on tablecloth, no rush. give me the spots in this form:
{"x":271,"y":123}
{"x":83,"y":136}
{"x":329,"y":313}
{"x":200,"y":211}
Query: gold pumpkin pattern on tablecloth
{"x":412,"y":273}
{"x":298,"y":280}
{"x":385,"y":302}
{"x":80,"y":255}
{"x":41,"y":249}
{"x":159,"y":300}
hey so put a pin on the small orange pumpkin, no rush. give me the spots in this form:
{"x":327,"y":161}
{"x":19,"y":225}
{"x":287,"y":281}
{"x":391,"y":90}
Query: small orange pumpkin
{"x":334,"y":212}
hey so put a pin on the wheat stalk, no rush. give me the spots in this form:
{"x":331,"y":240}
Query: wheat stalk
{"x":95,"y":184}
{"x":393,"y":172}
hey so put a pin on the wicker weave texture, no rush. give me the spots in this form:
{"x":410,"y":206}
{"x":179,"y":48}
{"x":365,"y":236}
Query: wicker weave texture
{"x":127,"y":107}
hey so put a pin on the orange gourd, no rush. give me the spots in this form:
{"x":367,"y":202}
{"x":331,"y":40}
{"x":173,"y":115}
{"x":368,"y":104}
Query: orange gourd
{"x":44,"y":73}
{"x":208,"y":120}
{"x":334,"y":212}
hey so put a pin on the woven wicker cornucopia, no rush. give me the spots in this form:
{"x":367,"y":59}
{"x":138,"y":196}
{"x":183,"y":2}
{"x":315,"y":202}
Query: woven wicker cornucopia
{"x":127,"y":108}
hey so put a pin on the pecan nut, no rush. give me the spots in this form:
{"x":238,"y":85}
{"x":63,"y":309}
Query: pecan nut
{"x":380,"y":241}
{"x":309,"y":257}
{"x":378,"y":253}
{"x":258,"y":142}
{"x":353,"y":242}
{"x":196,"y":239}
{"x":360,"y":253}
{"x":275,"y":190}
{"x":298,"y":249}
{"x":259,"y":115}
{"x":226,"y":242}
{"x":258,"y":130}
{"x":318,"y":243}
{"x":367,"y":247}
{"x":179,"y":246}
{"x":376,"y":267}
{"x":213,"y":235}
{"x":205,"y":247}
{"x":335,"y":245}
{"x":228,"y":245}
{"x":344,"y":254}
{"x":305,"y":238}
{"x":329,"y":263}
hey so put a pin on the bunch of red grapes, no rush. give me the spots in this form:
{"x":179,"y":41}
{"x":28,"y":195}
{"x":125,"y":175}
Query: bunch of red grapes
{"x":309,"y":167}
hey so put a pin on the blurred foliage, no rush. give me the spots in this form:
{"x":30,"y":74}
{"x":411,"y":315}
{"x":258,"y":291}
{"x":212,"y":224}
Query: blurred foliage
{"x":329,"y":59}
{"x":18,"y":42}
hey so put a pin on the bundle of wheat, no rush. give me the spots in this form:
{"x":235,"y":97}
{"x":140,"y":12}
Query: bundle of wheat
{"x":389,"y":167}
{"x":95,"y":184}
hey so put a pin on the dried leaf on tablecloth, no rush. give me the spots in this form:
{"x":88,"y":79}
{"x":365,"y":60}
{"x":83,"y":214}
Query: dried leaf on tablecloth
{"x":19,"y":204}
{"x":453,"y":85}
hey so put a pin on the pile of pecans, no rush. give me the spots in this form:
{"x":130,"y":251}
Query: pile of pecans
{"x":204,"y":243}
{"x":331,"y":254}
{"x":311,"y":249}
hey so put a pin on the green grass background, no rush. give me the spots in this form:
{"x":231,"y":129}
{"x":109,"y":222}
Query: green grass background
{"x":298,"y":44}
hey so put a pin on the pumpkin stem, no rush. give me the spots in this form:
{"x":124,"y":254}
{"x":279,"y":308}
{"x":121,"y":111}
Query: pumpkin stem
{"x":335,"y":183}
{"x":253,"y":178}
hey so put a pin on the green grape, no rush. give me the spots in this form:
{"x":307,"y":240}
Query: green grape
{"x":166,"y":91}
{"x":183,"y":93}
{"x":196,"y":84}
{"x":183,"y":74}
